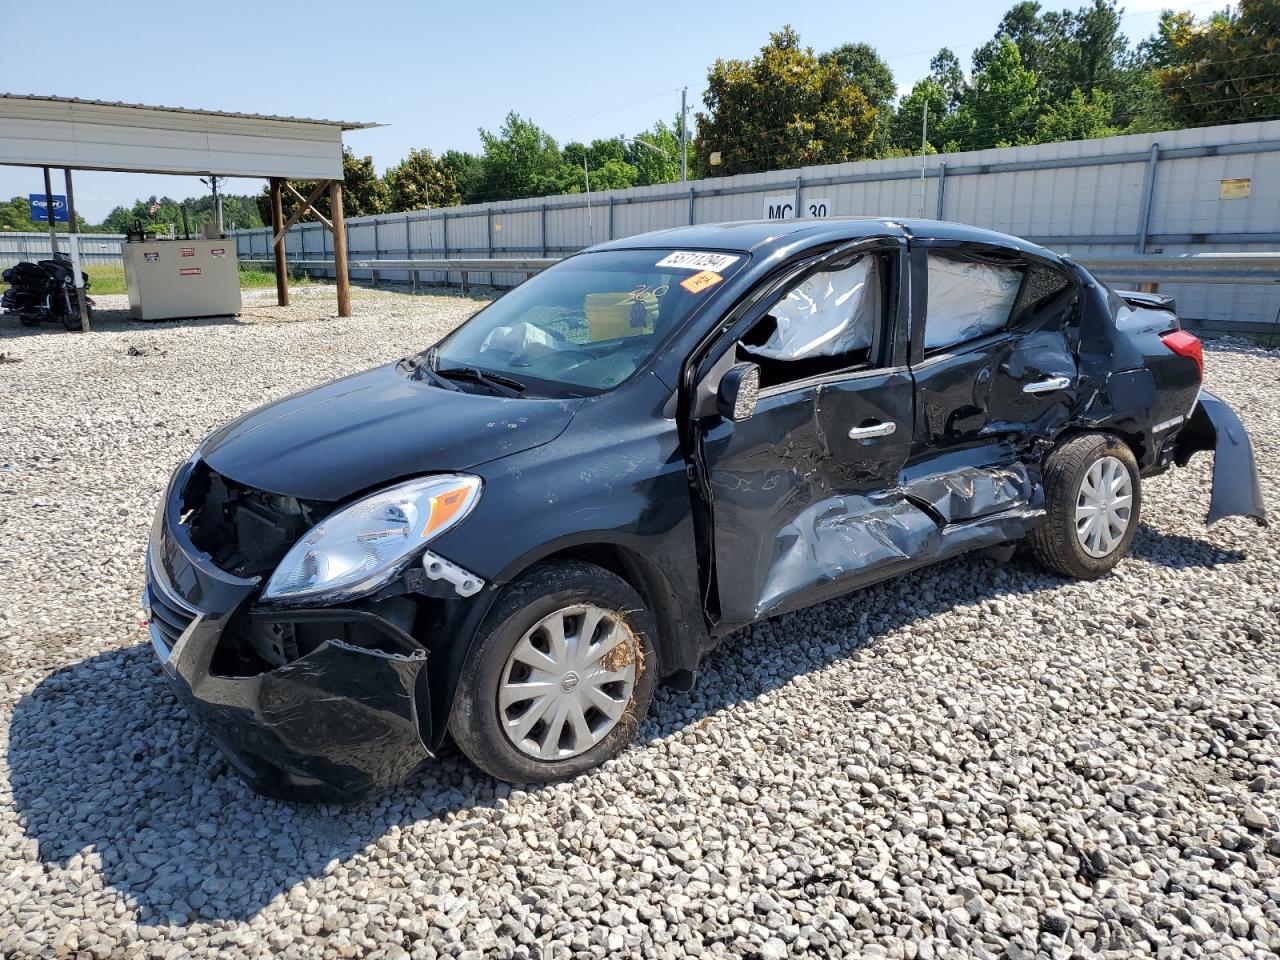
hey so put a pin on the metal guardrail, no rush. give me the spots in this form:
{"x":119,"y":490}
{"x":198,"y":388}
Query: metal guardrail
{"x":1188,"y":268}
{"x":1244,"y":268}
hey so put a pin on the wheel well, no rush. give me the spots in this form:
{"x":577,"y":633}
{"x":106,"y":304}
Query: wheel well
{"x":644,"y":579}
{"x":1136,"y":442}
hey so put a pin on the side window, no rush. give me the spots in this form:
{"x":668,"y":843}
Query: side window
{"x":968,"y":298}
{"x":829,"y":322}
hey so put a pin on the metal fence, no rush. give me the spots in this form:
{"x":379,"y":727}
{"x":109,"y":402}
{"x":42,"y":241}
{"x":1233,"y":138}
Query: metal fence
{"x":1172,"y":193}
{"x":95,"y":248}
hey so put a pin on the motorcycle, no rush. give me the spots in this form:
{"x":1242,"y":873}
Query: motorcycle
{"x":44,"y":291}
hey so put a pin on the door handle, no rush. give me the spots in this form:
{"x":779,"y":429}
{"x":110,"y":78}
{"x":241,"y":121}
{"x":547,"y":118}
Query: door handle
{"x":877,"y":429}
{"x":1048,"y":386}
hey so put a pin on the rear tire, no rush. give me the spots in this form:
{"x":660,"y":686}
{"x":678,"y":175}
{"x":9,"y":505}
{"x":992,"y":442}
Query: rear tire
{"x":1093,"y":504}
{"x":590,"y":607}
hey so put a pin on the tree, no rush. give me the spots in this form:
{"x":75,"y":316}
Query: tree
{"x":659,"y":162}
{"x":520,"y":160}
{"x":781,"y":109}
{"x":1223,"y":69}
{"x":420,"y":181}
{"x":1000,"y":107}
{"x":1077,"y":118}
{"x":946,"y":72}
{"x":364,"y":193}
{"x":1067,"y":50}
{"x":865,"y":69}
{"x":908,"y":121}
{"x":468,"y":172}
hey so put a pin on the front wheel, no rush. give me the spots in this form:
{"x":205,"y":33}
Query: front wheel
{"x":1093,"y":501}
{"x":558,"y":678}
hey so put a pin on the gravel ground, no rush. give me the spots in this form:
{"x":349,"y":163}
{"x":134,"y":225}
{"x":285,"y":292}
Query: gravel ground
{"x":982,"y":760}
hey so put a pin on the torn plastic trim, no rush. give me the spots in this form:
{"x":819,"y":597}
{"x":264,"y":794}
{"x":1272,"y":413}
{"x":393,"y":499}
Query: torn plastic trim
{"x":465,"y":583}
{"x":1236,"y":492}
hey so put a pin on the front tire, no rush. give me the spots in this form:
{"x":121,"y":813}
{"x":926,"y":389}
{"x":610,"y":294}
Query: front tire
{"x":1093,"y":503}
{"x":559,"y":676}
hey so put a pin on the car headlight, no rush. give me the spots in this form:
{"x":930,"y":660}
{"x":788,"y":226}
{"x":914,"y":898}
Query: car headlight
{"x":364,"y":545}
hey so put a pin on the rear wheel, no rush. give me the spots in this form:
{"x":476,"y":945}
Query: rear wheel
{"x":1093,"y":502}
{"x":559,"y":677}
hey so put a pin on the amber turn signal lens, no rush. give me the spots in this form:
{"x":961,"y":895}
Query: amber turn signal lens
{"x":444,"y":507}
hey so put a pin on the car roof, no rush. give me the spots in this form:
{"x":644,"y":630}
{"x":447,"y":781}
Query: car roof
{"x":761,"y":236}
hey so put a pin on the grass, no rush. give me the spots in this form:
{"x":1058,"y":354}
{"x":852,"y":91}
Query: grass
{"x":110,"y":279}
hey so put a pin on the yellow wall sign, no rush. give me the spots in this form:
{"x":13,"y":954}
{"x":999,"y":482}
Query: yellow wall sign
{"x":1237,"y":189}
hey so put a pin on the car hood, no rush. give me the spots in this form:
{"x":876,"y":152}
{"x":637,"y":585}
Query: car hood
{"x":373,"y":428}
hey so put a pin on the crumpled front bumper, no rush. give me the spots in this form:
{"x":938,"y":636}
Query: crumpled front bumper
{"x":1213,"y":425}
{"x":339,"y":724}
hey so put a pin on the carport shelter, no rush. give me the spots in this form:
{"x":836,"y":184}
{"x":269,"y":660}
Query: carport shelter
{"x":132,"y":138}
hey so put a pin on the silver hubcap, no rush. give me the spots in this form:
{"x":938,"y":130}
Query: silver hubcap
{"x":568,"y":682}
{"x":1104,"y":507}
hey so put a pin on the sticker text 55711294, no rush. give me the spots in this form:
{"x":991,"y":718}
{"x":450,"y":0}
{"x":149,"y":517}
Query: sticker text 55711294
{"x":698,"y":260}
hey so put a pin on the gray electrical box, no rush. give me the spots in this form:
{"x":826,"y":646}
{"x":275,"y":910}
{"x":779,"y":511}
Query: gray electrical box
{"x":169,"y":279}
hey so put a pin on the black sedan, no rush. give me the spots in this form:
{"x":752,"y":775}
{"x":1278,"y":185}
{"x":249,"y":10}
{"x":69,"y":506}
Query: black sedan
{"x":513,"y":535}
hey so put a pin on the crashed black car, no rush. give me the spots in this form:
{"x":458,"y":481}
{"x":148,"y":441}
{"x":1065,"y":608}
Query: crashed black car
{"x":513,"y":535}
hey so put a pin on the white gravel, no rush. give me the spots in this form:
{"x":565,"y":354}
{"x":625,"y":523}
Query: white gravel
{"x":982,"y":760}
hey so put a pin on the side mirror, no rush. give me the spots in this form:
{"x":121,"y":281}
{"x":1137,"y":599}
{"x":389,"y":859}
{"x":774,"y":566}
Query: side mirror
{"x":738,"y":391}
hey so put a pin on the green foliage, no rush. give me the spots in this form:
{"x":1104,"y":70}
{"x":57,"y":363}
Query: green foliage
{"x":15,"y":215}
{"x":363,"y":192}
{"x":783,"y":108}
{"x":657,"y":157}
{"x":467,"y":170}
{"x":520,"y":160}
{"x":1000,"y":107}
{"x":865,"y":69}
{"x":908,"y":121}
{"x":420,"y":181}
{"x":1224,"y":69}
{"x":1077,"y":118}
{"x":1067,"y":50}
{"x":946,"y":72}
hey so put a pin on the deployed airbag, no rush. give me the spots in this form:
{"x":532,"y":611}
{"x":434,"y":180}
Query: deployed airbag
{"x":967,"y":300}
{"x":517,"y":337}
{"x":830,"y":314}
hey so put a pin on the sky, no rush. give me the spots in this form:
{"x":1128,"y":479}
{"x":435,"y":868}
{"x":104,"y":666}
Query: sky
{"x":435,"y":73}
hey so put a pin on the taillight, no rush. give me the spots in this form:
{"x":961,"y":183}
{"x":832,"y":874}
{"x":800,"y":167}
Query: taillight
{"x":1186,"y":345}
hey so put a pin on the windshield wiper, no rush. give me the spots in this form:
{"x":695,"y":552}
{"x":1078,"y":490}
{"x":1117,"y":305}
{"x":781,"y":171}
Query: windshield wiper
{"x":496,"y":382}
{"x":425,"y":369}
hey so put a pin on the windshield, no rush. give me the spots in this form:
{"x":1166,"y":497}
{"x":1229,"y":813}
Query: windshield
{"x":587,"y":324}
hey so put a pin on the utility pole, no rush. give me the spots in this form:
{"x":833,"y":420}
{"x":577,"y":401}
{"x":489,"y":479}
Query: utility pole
{"x":684,"y":134}
{"x":924,"y":140}
{"x":212,"y":183}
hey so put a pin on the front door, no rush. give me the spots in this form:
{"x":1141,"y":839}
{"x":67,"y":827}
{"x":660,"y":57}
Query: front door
{"x":792,"y":486}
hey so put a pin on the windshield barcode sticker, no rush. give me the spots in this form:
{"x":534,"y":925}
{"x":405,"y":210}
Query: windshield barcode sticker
{"x":698,"y":260}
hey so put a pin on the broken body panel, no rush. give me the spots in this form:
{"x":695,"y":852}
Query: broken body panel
{"x":900,"y":446}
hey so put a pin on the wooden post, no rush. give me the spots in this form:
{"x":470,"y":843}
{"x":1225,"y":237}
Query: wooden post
{"x":277,"y":231}
{"x":73,"y":231}
{"x":340,"y":249}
